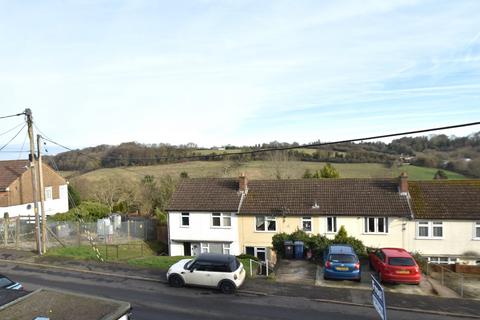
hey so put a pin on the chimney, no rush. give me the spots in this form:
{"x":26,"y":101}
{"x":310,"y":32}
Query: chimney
{"x":403,"y":184}
{"x":243,"y":183}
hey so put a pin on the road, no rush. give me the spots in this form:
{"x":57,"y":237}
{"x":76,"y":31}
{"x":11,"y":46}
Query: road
{"x":151,"y":300}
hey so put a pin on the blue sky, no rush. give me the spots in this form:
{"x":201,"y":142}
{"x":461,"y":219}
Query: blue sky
{"x":238,"y":72}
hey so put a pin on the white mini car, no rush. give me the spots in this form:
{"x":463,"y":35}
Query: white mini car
{"x":220,"y":271}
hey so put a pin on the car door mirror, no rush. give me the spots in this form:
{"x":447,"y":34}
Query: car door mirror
{"x":193,"y":269}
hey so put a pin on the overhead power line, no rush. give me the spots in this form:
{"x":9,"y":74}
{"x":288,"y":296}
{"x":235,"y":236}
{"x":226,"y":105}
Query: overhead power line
{"x":310,"y":145}
{"x":13,"y":115}
{"x":3,"y":147}
{"x":11,"y":129}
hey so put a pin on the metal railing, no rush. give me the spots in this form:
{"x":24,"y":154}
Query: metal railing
{"x":260,"y":266}
{"x":465,"y":285}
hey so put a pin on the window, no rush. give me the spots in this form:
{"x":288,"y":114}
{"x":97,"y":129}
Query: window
{"x":215,"y":247}
{"x":221,"y":220}
{"x":376,"y":225}
{"x":226,"y":248}
{"x":265,"y":223}
{"x":48,"y":193}
{"x":476,"y":230}
{"x":185,"y":219}
{"x":332,"y":224}
{"x":307,"y":224}
{"x":430,"y":229}
{"x":442,"y":260}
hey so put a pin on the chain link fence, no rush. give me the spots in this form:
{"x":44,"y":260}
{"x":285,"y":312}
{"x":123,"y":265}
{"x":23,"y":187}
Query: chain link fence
{"x":19,"y":233}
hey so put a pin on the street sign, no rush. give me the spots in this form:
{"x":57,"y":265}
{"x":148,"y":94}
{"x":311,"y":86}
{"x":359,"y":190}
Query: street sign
{"x":378,"y":298}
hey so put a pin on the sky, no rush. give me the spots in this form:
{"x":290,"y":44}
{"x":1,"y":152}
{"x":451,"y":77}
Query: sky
{"x":237,"y":72}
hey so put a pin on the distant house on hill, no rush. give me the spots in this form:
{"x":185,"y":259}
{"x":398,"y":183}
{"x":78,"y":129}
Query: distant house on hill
{"x":16,"y":196}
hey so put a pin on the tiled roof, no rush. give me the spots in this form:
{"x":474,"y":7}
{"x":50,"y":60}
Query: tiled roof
{"x":350,"y":197}
{"x":206,"y":194}
{"x":10,"y":170}
{"x":446,"y":199}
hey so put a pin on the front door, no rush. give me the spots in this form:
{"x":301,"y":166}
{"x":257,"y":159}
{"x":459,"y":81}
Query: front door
{"x":187,"y":249}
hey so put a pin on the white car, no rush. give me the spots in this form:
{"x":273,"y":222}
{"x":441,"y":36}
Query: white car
{"x":220,"y":271}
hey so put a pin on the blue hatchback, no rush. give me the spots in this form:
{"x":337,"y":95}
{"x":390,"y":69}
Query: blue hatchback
{"x":341,"y":262}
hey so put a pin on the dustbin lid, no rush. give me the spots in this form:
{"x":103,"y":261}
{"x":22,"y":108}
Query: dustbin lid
{"x":299,"y":243}
{"x":288,"y":242}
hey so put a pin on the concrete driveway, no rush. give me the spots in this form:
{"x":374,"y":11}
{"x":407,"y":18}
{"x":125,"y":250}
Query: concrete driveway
{"x":296,"y":271}
{"x":424,"y":288}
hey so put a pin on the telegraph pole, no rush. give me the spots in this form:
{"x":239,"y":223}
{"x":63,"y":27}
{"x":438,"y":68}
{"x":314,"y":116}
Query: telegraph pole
{"x":42,"y":195}
{"x":28,"y":114}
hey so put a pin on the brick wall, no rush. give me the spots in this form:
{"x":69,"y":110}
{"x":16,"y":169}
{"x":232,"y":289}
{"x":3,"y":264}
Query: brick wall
{"x":463,"y":268}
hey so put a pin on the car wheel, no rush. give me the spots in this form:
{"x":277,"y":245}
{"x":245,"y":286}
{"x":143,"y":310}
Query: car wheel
{"x":227,"y":287}
{"x":175,"y":281}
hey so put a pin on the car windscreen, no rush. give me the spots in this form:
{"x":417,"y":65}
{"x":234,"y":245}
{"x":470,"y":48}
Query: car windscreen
{"x":188,"y":264}
{"x":342,"y":258}
{"x":5,"y":282}
{"x":399,"y":261}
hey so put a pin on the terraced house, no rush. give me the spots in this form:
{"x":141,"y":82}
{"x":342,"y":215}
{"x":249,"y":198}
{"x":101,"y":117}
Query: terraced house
{"x":440,"y":219}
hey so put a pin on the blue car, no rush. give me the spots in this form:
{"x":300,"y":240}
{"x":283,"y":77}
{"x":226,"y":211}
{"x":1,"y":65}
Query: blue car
{"x":6,"y":283}
{"x":341,"y":262}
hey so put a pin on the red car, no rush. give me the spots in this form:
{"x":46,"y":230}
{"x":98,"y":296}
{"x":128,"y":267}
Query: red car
{"x":395,"y":265}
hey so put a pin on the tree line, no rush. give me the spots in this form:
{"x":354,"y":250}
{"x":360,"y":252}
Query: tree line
{"x":459,"y":154}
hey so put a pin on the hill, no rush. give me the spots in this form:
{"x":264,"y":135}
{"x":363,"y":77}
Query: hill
{"x":257,"y":170}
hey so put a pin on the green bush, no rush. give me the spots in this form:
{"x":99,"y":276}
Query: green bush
{"x":247,"y":256}
{"x":87,"y":211}
{"x":317,"y":243}
{"x":342,"y":238}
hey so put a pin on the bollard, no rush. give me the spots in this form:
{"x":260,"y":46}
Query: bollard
{"x":461,"y":285}
{"x":443,"y":282}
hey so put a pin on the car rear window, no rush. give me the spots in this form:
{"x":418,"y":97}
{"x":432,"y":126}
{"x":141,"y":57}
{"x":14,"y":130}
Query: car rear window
{"x":4,"y":282}
{"x":342,"y":258}
{"x":404,"y":262}
{"x":234,"y":264}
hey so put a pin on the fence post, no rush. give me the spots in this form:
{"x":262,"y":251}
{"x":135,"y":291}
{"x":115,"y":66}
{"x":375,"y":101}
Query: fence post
{"x":117,"y":251}
{"x":128,"y":230}
{"x":141,"y":245}
{"x":461,"y":284}
{"x":79,"y":240}
{"x":17,"y":232}
{"x":443,"y":273}
{"x":5,"y":231}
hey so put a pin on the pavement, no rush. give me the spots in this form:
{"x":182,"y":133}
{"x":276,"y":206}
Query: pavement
{"x":262,"y":289}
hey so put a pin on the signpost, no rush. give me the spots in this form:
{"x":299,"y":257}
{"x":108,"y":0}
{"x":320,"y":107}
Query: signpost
{"x":378,"y":298}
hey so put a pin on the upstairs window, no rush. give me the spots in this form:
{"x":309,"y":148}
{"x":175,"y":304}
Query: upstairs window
{"x":476,"y":230}
{"x":430,"y":229}
{"x":48,"y":193}
{"x":265,"y":223}
{"x":331,"y":224}
{"x":222,"y":220}
{"x":307,"y":224}
{"x":185,"y":219}
{"x":376,"y":225}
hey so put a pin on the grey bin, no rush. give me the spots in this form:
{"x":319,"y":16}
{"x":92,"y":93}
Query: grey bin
{"x":288,"y":249}
{"x":298,"y":249}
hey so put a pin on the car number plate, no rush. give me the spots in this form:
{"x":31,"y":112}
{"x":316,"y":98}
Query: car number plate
{"x":403,"y":272}
{"x":342,"y":268}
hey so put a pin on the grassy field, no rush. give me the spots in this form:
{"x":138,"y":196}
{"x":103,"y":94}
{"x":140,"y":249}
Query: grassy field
{"x":128,"y":254}
{"x":263,"y":170}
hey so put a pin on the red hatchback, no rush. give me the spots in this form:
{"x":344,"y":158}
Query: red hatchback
{"x":395,"y":265}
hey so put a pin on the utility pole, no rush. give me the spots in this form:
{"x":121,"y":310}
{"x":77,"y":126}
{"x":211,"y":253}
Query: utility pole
{"x":42,"y":195}
{"x":33,"y":172}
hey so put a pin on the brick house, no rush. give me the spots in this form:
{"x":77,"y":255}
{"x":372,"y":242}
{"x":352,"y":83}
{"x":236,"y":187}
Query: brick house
{"x":16,"y":196}
{"x":439,"y":219}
